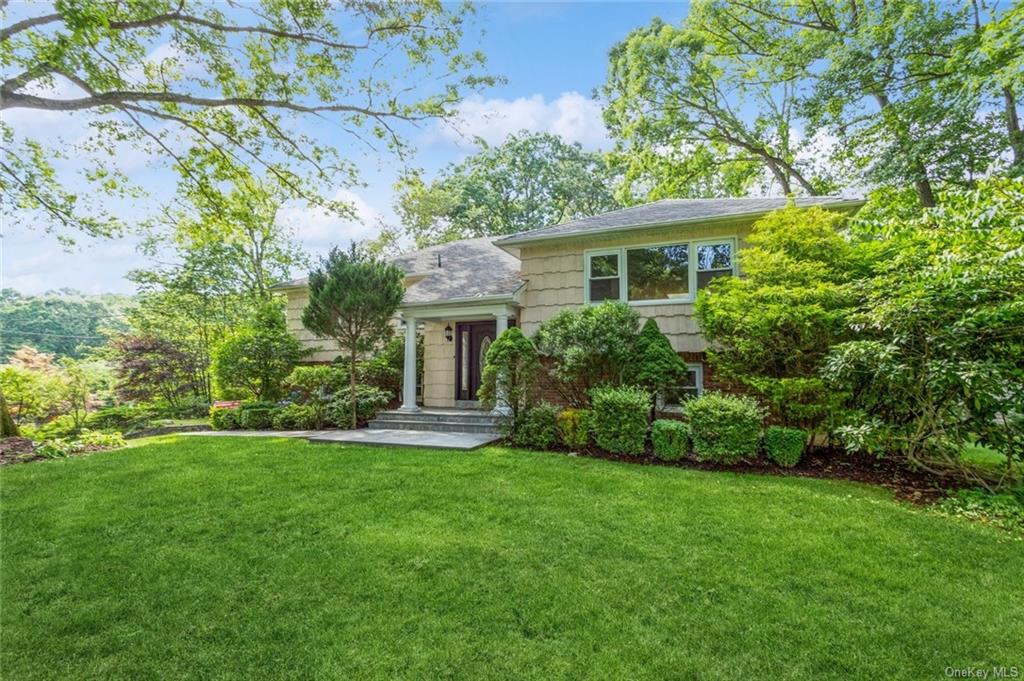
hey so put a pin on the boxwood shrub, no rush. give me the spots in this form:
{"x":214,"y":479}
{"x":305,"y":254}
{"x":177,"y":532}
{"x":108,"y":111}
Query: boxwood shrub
{"x":536,"y":427}
{"x":257,"y":418}
{"x":724,"y":428}
{"x":574,"y":428}
{"x":784,"y":446}
{"x":369,"y":401}
{"x":619,"y":419}
{"x":295,"y":417}
{"x":222,"y":418}
{"x":670,"y":439}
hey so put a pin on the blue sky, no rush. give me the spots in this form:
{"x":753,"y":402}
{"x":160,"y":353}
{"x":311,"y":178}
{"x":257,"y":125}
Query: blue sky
{"x":553,"y":56}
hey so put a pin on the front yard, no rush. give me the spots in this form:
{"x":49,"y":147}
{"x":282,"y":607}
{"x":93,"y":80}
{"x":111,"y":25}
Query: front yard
{"x":254,"y":558}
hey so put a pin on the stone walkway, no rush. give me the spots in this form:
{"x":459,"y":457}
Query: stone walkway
{"x":368,"y":436}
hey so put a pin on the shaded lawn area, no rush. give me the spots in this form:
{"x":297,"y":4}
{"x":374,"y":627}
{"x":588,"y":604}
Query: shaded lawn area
{"x":229,"y":558}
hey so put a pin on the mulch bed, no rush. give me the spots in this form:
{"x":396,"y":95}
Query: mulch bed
{"x":916,"y":486}
{"x":17,"y":450}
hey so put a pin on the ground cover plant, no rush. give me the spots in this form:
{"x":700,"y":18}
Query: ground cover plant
{"x":299,"y":560}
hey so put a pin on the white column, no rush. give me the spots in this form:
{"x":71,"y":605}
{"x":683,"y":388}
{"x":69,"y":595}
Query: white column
{"x":409,"y":369}
{"x":500,"y":327}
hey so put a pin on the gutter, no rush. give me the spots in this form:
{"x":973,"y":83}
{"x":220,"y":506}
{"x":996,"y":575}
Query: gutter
{"x":516,"y":240}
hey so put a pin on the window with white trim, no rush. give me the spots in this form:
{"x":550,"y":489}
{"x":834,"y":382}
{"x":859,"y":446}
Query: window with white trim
{"x":658,"y":273}
{"x":692,"y":387}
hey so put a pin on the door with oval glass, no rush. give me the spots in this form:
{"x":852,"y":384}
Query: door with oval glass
{"x":472,"y":340}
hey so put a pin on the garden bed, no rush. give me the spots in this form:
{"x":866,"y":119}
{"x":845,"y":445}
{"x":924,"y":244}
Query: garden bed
{"x":917,"y":486}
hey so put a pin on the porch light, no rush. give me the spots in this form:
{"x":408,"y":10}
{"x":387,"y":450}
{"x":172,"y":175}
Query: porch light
{"x":448,"y":333}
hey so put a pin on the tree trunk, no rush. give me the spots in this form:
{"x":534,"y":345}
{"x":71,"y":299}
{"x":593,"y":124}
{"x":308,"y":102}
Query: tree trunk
{"x":922,"y":185}
{"x":1013,"y":130}
{"x":8,"y":428}
{"x":352,"y":385}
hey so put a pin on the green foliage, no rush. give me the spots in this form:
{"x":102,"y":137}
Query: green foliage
{"x":32,"y":395}
{"x":670,"y":439}
{"x":316,"y":387}
{"x":531,"y":180}
{"x":940,"y":360}
{"x":87,"y":440}
{"x":235,"y":87}
{"x":66,"y":323}
{"x":353,"y":296}
{"x":536,"y":427}
{"x":368,"y":401}
{"x":297,"y":417}
{"x":619,"y":418}
{"x":510,"y":375}
{"x":259,"y":356}
{"x":784,"y":446}
{"x":125,"y":418}
{"x":222,"y":418}
{"x":257,"y":418}
{"x":724,"y":428}
{"x":574,"y":427}
{"x":771,"y":329}
{"x":589,"y":347}
{"x":656,"y":367}
{"x":1001,"y":510}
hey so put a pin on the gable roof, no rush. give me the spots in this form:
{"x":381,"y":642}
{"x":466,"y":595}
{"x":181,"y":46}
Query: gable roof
{"x":669,"y":212}
{"x":469,"y":269}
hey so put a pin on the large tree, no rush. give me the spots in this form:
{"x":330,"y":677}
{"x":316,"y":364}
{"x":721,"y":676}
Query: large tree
{"x":353,"y":296}
{"x":529,"y":181}
{"x":199,"y":84}
{"x":876,"y":79}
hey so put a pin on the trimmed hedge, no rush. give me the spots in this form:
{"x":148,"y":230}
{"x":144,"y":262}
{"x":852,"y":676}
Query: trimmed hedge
{"x":257,"y":418}
{"x":671,"y":439}
{"x":724,"y":428}
{"x":369,"y":401}
{"x":537,"y":428}
{"x":619,"y":419}
{"x":222,"y":418}
{"x":295,"y":417}
{"x":574,"y":428}
{"x":784,"y":446}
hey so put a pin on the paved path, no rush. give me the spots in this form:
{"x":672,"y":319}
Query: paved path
{"x":368,"y":436}
{"x":407,"y":438}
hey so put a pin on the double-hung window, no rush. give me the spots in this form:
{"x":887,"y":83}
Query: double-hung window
{"x":662,"y":273}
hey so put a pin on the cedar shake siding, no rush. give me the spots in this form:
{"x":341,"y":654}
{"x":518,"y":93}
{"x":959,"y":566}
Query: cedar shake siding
{"x":554,"y":275}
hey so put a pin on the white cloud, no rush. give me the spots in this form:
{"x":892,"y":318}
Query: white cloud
{"x":571,"y":115}
{"x":317,"y":229}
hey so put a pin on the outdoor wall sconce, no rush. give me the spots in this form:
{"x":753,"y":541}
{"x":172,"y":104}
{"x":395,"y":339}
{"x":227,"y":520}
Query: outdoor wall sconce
{"x":448,"y":333}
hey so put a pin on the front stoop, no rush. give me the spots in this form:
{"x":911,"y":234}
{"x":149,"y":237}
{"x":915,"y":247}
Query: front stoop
{"x":439,"y":428}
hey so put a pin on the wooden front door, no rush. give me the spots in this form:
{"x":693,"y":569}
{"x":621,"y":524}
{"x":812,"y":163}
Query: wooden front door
{"x":472,"y":340}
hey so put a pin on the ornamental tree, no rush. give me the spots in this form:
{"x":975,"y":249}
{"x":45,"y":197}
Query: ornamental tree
{"x":353,"y":297}
{"x":588,"y":347}
{"x":771,"y":329}
{"x":258,"y":357}
{"x":656,"y":366}
{"x":511,"y":374}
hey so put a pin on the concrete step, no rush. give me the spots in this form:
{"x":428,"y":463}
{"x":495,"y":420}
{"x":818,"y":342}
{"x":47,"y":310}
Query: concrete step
{"x":468,"y":418}
{"x":434,"y":426}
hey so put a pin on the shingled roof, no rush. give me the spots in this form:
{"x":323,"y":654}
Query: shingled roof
{"x":668,"y":212}
{"x":460,"y":270}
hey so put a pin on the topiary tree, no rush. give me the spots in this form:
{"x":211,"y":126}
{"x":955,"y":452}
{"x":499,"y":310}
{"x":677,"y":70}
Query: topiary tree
{"x":510,"y":375}
{"x":353,"y":296}
{"x":590,"y":346}
{"x":656,"y":366}
{"x":258,"y":357}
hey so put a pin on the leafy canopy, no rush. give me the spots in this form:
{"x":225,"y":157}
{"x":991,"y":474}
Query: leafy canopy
{"x":258,"y":357}
{"x":202,"y":86}
{"x":531,"y":180}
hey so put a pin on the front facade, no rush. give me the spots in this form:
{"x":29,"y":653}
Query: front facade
{"x":656,"y":257}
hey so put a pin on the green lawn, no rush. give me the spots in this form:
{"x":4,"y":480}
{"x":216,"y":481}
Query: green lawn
{"x":248,"y":558}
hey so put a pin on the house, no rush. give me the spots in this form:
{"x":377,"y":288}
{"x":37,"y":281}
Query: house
{"x":460,"y":296}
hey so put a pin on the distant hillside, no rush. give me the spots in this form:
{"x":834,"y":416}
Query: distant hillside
{"x":65,"y":322}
